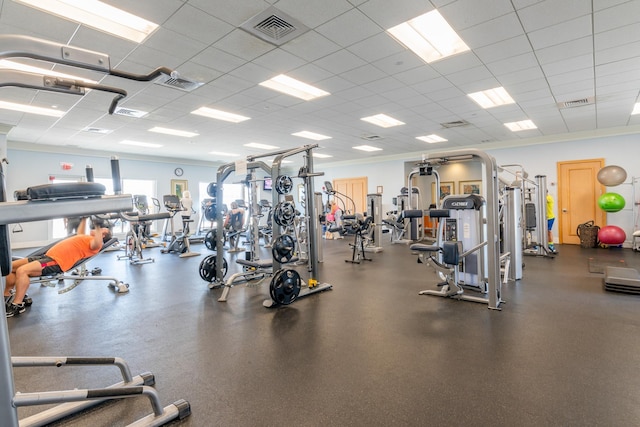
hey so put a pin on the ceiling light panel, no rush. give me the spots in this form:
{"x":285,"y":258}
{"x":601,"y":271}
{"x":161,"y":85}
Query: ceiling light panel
{"x":293,"y":87}
{"x":521,"y":125}
{"x":173,"y":132}
{"x":311,"y":135}
{"x":366,"y":148}
{"x":223,"y":154}
{"x":261,"y":146}
{"x":23,"y":108}
{"x":433,"y":138}
{"x":382,"y":120}
{"x":97,"y":15}
{"x":636,"y":109}
{"x":492,"y":97}
{"x":219,"y":115}
{"x":321,"y":156}
{"x":140,"y":144}
{"x":429,"y":36}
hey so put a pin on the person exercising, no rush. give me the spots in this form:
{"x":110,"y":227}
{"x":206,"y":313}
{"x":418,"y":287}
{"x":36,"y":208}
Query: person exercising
{"x":550,"y":220}
{"x":59,"y":258}
{"x":234,"y":222}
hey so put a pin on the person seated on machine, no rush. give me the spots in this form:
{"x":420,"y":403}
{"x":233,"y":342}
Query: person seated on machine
{"x":234,"y":224}
{"x":59,"y":258}
{"x":334,"y":221}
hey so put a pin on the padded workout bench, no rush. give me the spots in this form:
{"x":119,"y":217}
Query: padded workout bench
{"x":622,"y":279}
{"x":79,"y":272}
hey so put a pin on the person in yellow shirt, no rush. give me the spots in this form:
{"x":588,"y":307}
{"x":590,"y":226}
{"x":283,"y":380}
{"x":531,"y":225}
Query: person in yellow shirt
{"x":550,"y":220}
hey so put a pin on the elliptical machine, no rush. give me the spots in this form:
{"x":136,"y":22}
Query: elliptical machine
{"x":179,"y":243}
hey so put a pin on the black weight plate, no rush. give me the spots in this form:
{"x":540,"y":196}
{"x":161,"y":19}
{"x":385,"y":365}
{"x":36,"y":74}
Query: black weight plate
{"x":212,"y":189}
{"x":208,"y":268}
{"x":283,"y":247}
{"x":211,"y":212}
{"x":284,"y":184}
{"x":284,"y":214}
{"x":285,"y":286}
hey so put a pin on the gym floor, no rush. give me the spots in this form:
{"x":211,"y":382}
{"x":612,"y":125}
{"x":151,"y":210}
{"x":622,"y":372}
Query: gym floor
{"x":369,"y":352}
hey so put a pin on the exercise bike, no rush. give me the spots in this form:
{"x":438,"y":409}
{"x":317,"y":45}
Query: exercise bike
{"x":179,"y":243}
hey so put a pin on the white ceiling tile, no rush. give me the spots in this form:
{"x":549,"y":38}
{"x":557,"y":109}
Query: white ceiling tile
{"x":571,"y":64}
{"x":463,"y":14}
{"x":617,"y":54}
{"x":402,"y":10}
{"x":487,"y":33}
{"x":620,"y":15}
{"x":563,"y":51}
{"x":339,"y":62}
{"x":311,"y":46}
{"x":504,"y":49}
{"x":552,"y":12}
{"x":611,"y":39}
{"x":349,"y":28}
{"x":241,"y":11}
{"x":417,"y":75}
{"x":515,"y":63}
{"x":561,"y":33}
{"x":313,"y":14}
{"x":243,"y":45}
{"x":196,"y":24}
{"x":218,"y":60}
{"x":365,"y":74}
{"x":376,"y":47}
{"x":456,"y":63}
{"x":279,"y":61}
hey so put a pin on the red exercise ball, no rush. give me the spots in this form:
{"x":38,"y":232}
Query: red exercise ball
{"x":612,"y":235}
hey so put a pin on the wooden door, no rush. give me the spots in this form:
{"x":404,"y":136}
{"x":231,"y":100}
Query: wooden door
{"x":355,"y":189}
{"x":578,"y":192}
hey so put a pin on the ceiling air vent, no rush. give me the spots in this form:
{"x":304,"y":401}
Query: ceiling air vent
{"x":97,"y":130}
{"x":576,"y":102}
{"x":274,"y":26}
{"x":372,"y":137}
{"x":456,"y":124}
{"x":177,"y":82}
{"x":121,"y":111}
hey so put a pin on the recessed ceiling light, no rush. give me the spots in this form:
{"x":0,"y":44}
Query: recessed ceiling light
{"x":431,"y":138}
{"x":367,"y":148}
{"x":492,"y":97}
{"x":31,"y":109}
{"x":322,"y":156}
{"x":429,"y":36}
{"x":521,"y":125}
{"x":6,"y":64}
{"x":222,"y":153}
{"x":636,"y":109}
{"x":140,"y":144}
{"x":98,"y":15}
{"x":311,"y":135}
{"x":382,"y":120}
{"x":262,"y":146}
{"x":173,"y":132}
{"x":293,"y":87}
{"x":219,"y":115}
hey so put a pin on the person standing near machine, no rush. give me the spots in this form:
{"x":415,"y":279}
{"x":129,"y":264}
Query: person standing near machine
{"x":550,"y":220}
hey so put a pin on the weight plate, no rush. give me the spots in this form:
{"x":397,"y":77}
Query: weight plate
{"x":285,"y":286}
{"x":284,"y":184}
{"x":284,"y":214}
{"x":211,"y":212}
{"x":283,"y":247}
{"x":208,"y":268}
{"x":212,"y":189}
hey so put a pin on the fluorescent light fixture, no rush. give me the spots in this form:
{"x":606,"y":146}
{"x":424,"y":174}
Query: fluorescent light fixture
{"x":322,"y":156}
{"x":366,"y":148}
{"x":636,"y":109}
{"x":98,"y":15}
{"x":262,"y":146}
{"x":431,"y":138}
{"x":492,"y":97}
{"x":311,"y":135}
{"x":223,"y":154}
{"x":6,"y":64}
{"x":219,"y":115}
{"x":429,"y":36}
{"x":293,"y":87}
{"x":173,"y":132}
{"x":382,"y":120}
{"x":521,"y":125}
{"x":140,"y":144}
{"x":31,"y":109}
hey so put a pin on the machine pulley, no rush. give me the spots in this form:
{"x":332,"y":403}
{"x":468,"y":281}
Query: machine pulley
{"x":285,"y":286}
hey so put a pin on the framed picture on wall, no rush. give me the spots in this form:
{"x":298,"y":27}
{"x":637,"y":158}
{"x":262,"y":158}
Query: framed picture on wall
{"x":179,"y":186}
{"x":470,"y":187}
{"x":446,"y":189}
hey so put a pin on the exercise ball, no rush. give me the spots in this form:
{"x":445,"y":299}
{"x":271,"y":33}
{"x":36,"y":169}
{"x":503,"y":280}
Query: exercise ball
{"x":611,"y":235}
{"x":611,"y":202}
{"x":611,"y":176}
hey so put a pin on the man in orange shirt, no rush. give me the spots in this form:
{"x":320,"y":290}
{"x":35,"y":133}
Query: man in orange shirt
{"x":59,"y":258}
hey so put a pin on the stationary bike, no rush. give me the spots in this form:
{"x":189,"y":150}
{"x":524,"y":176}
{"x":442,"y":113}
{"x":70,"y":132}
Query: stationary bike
{"x":179,"y":243}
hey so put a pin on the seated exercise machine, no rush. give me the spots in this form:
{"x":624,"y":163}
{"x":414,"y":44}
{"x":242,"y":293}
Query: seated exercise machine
{"x":360,"y":228}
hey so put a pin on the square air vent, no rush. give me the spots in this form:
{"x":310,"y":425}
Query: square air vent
{"x":177,"y":82}
{"x":274,"y":26}
{"x":456,"y":124}
{"x":576,"y":102}
{"x":129,"y":112}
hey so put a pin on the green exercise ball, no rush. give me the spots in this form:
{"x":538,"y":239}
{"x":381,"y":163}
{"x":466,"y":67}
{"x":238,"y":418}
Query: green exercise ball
{"x":612,"y":175}
{"x":611,"y":202}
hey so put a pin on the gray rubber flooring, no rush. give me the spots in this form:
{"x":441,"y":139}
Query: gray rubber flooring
{"x":369,"y":352}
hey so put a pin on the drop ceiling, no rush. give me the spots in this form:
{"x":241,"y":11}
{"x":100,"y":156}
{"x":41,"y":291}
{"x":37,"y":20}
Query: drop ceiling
{"x":572,"y":66}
